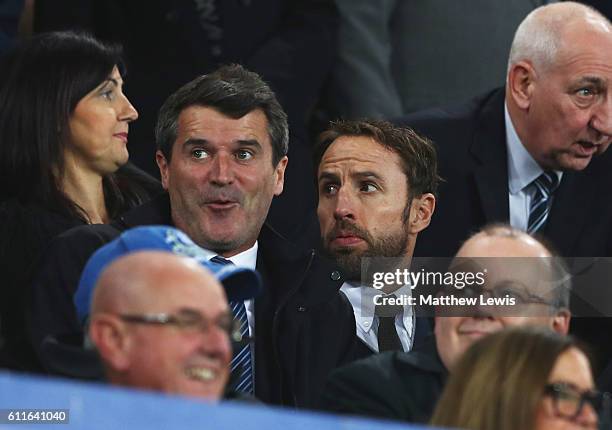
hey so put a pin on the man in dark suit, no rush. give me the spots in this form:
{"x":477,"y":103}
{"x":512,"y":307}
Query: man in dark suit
{"x":406,"y":386}
{"x":554,"y":117}
{"x":376,"y":186}
{"x":222,"y":144}
{"x":533,"y":154}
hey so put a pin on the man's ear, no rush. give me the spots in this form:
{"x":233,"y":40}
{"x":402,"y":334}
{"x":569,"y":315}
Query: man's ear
{"x":561,"y":321}
{"x":109,"y":336}
{"x":162,"y":163}
{"x":421,"y":210}
{"x":521,"y":83}
{"x":279,"y":175}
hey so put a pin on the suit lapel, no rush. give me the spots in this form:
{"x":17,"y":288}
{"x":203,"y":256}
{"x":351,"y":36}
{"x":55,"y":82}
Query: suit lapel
{"x":489,"y":153}
{"x":569,"y":209}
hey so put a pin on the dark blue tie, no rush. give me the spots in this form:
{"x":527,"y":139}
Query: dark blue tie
{"x":242,"y":360}
{"x":545,"y":185}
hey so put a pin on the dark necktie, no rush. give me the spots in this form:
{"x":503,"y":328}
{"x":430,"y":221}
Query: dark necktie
{"x":388,"y":340}
{"x":242,"y":359}
{"x":545,"y":185}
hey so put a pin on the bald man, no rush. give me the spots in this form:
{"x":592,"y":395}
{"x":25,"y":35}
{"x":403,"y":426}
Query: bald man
{"x":161,"y":322}
{"x":532,"y":154}
{"x":406,"y":385}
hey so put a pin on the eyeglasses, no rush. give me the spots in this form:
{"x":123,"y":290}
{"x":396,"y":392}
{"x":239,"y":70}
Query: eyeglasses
{"x":501,"y":291}
{"x":568,"y":402}
{"x":189,"y":320}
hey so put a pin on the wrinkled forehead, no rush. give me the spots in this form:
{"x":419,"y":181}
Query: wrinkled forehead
{"x":531,"y":274}
{"x":353,"y":155}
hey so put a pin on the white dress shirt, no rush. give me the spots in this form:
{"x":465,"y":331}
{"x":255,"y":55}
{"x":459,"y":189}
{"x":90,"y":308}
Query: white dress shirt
{"x":362,"y":301}
{"x":522,"y":171}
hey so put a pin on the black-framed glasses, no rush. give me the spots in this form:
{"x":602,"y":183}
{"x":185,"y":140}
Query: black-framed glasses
{"x":503,"y":290}
{"x":568,"y":402}
{"x":191,"y":321}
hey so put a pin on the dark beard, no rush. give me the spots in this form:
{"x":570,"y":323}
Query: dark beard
{"x":392,"y":246}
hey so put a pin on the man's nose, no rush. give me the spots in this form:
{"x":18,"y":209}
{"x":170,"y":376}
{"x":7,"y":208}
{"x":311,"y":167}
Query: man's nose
{"x":217,"y":339}
{"x":588,"y":417}
{"x":345,"y":204}
{"x":221,"y":172}
{"x":602,"y":118}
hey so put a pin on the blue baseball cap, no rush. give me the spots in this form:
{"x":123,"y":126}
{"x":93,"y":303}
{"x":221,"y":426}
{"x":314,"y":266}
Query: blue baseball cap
{"x":240,"y":283}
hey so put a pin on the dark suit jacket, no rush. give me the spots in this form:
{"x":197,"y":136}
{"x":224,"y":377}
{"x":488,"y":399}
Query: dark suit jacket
{"x":304,"y":326}
{"x":471,"y":142}
{"x":395,"y":385}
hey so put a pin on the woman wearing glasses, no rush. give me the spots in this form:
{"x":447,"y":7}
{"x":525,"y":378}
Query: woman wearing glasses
{"x":527,"y":378}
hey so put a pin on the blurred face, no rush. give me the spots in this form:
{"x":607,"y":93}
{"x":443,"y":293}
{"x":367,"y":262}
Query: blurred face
{"x":191,"y":361}
{"x":363,"y":205}
{"x":220,"y":179}
{"x":99,"y":127}
{"x":455,"y":334}
{"x":569,"y":113}
{"x":573,"y":371}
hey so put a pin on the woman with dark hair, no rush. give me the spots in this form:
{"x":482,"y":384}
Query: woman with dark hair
{"x":64,"y":123}
{"x":528,"y":378}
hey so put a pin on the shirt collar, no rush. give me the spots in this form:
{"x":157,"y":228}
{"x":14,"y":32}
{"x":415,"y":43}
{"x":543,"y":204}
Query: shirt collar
{"x":362,"y":301}
{"x":522,"y":168}
{"x":246,"y":258}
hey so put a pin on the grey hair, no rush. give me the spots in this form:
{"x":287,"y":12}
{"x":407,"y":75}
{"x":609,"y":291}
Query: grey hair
{"x":538,"y":37}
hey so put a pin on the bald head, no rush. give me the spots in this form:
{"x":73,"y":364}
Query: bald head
{"x":147,"y":276}
{"x":502,"y":241}
{"x":541,"y":35}
{"x":161,"y":321}
{"x":515,"y":265}
{"x":510,"y":253}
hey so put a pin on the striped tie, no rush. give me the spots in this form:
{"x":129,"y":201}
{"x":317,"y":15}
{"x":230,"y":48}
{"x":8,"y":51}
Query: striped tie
{"x":545,"y":185}
{"x":241,"y":362}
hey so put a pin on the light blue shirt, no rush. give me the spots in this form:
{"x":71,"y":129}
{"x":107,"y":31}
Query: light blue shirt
{"x":246,"y":259}
{"x":522,"y":171}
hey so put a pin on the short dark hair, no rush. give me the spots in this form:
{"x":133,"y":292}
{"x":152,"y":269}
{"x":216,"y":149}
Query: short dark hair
{"x":42,"y":80}
{"x":418,"y":154}
{"x":233,"y":91}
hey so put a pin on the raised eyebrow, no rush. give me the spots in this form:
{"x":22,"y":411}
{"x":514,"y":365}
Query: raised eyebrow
{"x":368,"y":175}
{"x":195,"y":142}
{"x":328,"y":176}
{"x":252,"y":143}
{"x":593,"y":80}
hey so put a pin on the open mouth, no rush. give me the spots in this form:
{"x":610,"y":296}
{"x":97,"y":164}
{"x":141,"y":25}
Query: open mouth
{"x":203,"y":374}
{"x":586,"y":148}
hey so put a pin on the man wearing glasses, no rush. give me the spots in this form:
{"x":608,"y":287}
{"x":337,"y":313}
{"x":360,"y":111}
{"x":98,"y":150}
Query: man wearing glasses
{"x":161,"y":322}
{"x":407,"y":385}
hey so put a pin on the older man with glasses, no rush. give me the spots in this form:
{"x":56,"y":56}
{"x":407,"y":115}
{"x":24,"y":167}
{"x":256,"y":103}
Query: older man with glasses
{"x":515,"y":268}
{"x":161,"y":321}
